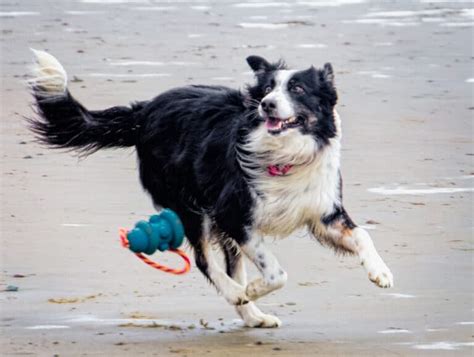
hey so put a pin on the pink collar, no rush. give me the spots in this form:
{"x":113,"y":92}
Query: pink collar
{"x":278,"y":170}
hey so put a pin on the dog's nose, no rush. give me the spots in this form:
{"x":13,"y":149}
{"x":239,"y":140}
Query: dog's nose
{"x":268,"y":105}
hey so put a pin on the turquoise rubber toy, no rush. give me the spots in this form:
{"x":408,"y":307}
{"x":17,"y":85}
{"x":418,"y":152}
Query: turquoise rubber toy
{"x":162,"y":232}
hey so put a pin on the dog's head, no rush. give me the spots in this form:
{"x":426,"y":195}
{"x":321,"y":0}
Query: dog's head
{"x":290,"y":100}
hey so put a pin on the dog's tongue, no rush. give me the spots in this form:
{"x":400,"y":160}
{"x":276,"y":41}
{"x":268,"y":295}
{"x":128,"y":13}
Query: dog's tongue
{"x":273,"y":123}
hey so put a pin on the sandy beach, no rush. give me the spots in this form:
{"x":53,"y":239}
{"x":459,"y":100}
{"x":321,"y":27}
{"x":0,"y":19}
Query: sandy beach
{"x":404,"y":71}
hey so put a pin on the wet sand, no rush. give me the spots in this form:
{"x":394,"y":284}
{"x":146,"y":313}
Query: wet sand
{"x":405,"y":79}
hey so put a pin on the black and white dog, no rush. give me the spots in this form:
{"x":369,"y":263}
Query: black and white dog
{"x":237,"y":166}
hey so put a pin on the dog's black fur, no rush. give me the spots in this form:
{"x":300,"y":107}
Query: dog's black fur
{"x":187,"y":140}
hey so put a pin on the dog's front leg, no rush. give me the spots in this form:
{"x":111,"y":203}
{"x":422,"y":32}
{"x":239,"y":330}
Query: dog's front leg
{"x":273,"y":276}
{"x":359,"y":241}
{"x":338,"y":230}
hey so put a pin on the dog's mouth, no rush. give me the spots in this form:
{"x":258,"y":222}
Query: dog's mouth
{"x":276,"y":125}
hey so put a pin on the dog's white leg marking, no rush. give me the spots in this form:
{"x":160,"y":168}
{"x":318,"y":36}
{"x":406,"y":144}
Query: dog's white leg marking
{"x":359,"y":241}
{"x":250,"y":313}
{"x":274,"y":277}
{"x":233,"y":292}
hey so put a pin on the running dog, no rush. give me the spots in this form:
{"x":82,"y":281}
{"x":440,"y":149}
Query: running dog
{"x":236,"y":165}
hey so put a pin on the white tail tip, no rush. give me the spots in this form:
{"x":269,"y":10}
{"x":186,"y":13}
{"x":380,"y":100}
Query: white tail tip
{"x":49,"y":76}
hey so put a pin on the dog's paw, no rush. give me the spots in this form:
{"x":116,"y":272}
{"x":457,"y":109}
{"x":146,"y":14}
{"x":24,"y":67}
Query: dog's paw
{"x":269,"y":321}
{"x":265,"y":321}
{"x":379,"y":273}
{"x":236,"y":296}
{"x":254,"y":289}
{"x":254,"y":318}
{"x":259,"y":287}
{"x":383,"y":279}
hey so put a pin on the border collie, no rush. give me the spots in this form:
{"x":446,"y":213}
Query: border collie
{"x":236,"y":165}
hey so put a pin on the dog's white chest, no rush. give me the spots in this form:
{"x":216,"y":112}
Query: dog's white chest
{"x":286,"y":203}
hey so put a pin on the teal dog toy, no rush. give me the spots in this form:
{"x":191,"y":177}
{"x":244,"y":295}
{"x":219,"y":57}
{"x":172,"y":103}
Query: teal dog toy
{"x":163,"y":231}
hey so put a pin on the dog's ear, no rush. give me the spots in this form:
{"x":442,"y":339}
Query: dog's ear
{"x":258,"y":64}
{"x":327,"y":74}
{"x":328,"y":90}
{"x":311,"y":72}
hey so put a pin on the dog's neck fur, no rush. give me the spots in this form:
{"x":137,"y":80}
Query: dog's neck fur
{"x":311,"y":189}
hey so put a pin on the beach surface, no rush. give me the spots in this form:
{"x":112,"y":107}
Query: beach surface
{"x":405,"y":81}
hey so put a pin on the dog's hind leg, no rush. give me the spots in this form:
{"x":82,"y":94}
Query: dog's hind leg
{"x":338,"y":230}
{"x":250,"y":313}
{"x":273,"y":276}
{"x":233,"y":292}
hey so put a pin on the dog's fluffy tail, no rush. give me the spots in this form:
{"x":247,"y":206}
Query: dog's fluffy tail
{"x":62,"y":122}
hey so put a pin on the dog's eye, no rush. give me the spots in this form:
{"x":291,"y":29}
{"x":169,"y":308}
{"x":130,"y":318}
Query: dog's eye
{"x":297,"y":89}
{"x":267,"y":90}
